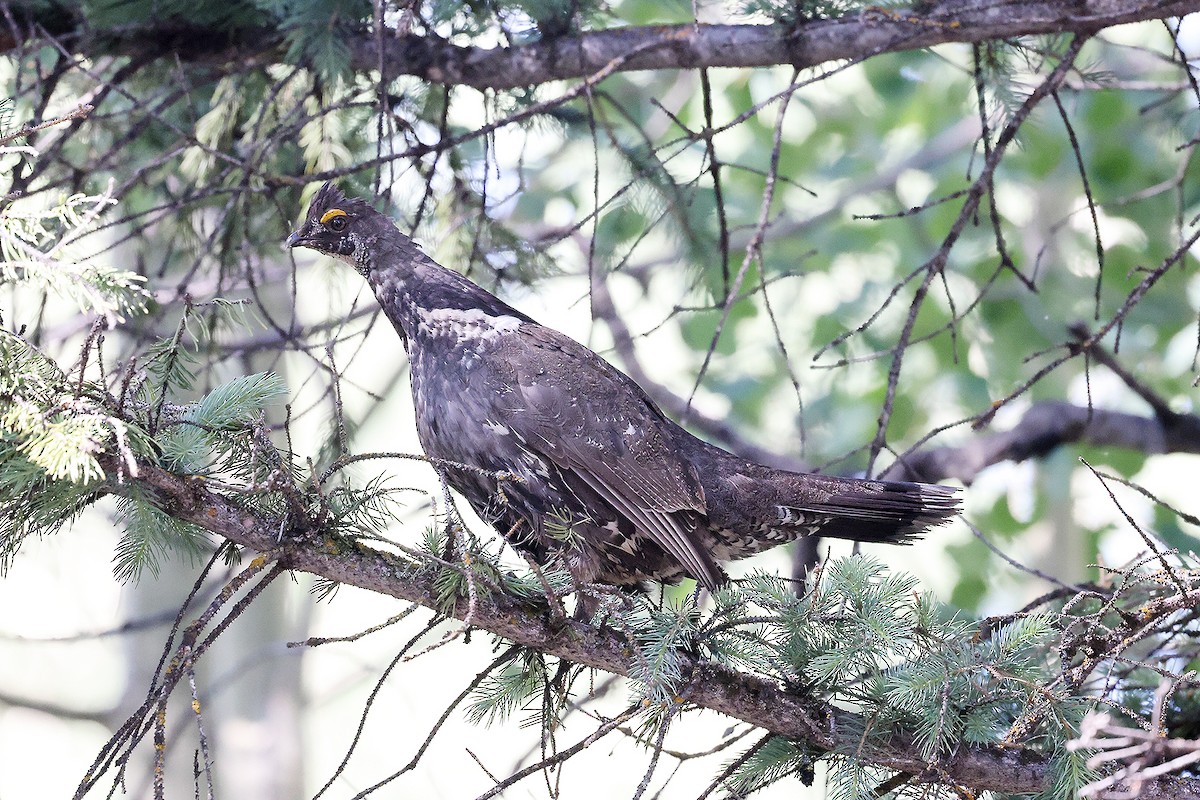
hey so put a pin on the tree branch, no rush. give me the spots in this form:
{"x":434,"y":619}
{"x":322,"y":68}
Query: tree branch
{"x":1050,"y":424}
{"x":750,"y":698}
{"x":872,"y":31}
{"x":692,"y":46}
{"x":1045,"y":426}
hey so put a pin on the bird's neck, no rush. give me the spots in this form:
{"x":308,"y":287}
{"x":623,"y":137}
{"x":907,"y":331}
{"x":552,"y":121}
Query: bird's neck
{"x":411,"y":294}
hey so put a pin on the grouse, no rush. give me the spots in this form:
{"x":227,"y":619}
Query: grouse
{"x":604,"y":480}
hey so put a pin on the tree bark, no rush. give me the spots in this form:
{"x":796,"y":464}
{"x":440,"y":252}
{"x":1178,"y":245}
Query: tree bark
{"x":871,"y":31}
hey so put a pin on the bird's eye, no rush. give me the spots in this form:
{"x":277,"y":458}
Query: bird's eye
{"x":336,"y":219}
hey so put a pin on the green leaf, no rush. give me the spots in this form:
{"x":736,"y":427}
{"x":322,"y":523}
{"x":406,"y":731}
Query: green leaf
{"x":37,"y":246}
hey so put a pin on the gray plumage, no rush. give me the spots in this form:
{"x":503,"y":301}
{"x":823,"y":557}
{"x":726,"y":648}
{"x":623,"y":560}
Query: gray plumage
{"x":607,"y":481}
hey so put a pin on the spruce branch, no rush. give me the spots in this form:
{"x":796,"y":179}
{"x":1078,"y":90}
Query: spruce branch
{"x":38,"y":245}
{"x":794,"y":714}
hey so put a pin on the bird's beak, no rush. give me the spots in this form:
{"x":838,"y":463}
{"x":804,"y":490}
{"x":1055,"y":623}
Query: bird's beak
{"x":295,"y":238}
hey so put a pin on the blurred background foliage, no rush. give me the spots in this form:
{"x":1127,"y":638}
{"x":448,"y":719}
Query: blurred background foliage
{"x":210,"y":162}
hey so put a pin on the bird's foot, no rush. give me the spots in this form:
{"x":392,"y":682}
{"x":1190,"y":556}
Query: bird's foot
{"x":558,"y":615}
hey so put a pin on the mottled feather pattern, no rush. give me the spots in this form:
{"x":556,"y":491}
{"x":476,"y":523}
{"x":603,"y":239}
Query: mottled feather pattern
{"x":642,"y":498}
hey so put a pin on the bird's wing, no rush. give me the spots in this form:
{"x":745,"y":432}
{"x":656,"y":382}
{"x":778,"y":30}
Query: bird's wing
{"x":576,"y":410}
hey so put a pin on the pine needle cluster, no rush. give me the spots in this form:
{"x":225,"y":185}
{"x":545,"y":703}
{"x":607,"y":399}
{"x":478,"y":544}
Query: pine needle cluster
{"x":68,"y":437}
{"x":49,"y":438}
{"x":862,"y":639}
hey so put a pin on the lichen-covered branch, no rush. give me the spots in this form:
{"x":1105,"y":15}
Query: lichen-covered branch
{"x":691,"y":46}
{"x":750,"y":698}
{"x":871,"y":31}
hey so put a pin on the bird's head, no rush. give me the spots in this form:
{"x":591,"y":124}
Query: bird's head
{"x":345,"y":228}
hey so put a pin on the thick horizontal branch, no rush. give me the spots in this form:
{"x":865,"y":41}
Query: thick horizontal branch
{"x":1044,"y":427}
{"x":690,"y":46}
{"x":871,"y":31}
{"x":749,"y":698}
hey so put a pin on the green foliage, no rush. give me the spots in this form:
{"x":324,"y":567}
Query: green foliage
{"x":509,"y":689}
{"x":368,"y":509}
{"x":964,"y":689}
{"x":219,"y":435}
{"x":477,"y":569}
{"x":54,"y":429}
{"x":663,"y":636}
{"x":198,"y":440}
{"x":170,"y":367}
{"x":38,"y":427}
{"x":777,"y":759}
{"x":37,"y":246}
{"x":314,"y":31}
{"x":50,"y":436}
{"x":1068,"y":773}
{"x":215,"y":129}
{"x":864,"y":639}
{"x":451,"y":580}
{"x":150,"y":537}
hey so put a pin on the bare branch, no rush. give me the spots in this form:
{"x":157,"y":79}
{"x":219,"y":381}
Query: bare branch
{"x":1045,"y":426}
{"x":1145,"y":755}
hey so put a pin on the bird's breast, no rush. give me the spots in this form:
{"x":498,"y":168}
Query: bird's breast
{"x":459,"y":394}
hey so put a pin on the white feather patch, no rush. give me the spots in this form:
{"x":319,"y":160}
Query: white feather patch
{"x":459,"y":322}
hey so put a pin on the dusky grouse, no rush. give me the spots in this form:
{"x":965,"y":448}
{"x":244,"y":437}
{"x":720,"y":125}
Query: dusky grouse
{"x":606,"y":481}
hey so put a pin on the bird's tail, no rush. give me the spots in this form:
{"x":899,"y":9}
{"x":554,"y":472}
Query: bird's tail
{"x":869,"y":511}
